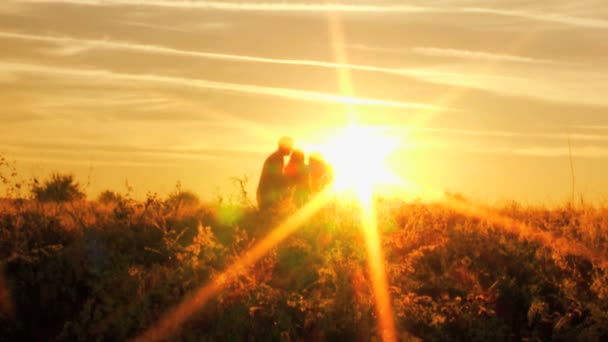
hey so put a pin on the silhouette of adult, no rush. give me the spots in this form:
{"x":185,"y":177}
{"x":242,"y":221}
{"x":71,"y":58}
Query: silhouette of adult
{"x":298,"y":178}
{"x":273,"y":185}
{"x":321,"y":174}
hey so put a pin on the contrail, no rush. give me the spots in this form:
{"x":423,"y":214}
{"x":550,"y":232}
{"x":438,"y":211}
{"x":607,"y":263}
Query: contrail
{"x":560,"y":18}
{"x":289,"y":93}
{"x":249,"y":6}
{"x":477,"y":55}
{"x":79,"y":45}
{"x":541,"y":16}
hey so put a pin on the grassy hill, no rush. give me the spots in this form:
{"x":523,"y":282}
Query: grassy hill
{"x":87,"y":270}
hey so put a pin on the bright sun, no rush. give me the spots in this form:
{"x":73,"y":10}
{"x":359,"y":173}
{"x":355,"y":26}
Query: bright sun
{"x":359,"y":156}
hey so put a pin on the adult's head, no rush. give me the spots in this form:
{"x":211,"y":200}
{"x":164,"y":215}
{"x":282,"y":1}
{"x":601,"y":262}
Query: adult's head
{"x":285,"y":145}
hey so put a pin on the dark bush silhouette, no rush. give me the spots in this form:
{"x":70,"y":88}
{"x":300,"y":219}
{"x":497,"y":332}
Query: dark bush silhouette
{"x":182,"y":199}
{"x":59,"y":188}
{"x":109,"y":197}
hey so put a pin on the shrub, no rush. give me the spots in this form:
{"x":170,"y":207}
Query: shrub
{"x":180,"y":198}
{"x":59,"y":188}
{"x":109,"y":197}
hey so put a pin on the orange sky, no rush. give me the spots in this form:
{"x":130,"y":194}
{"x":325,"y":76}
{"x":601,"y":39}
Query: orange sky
{"x":156,"y":91}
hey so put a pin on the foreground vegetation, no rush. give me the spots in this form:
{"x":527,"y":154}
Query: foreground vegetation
{"x":108,"y":269}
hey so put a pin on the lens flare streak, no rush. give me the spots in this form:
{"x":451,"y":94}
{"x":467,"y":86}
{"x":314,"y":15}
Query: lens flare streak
{"x":176,"y":317}
{"x":561,"y":246}
{"x":384,"y":310}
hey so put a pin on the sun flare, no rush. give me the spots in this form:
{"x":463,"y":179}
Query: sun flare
{"x":358,"y":156}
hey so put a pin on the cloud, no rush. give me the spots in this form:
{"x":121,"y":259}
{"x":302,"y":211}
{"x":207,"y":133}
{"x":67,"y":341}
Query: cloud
{"x":8,"y":77}
{"x":593,"y":152}
{"x":121,"y":152}
{"x":288,"y":93}
{"x":135,"y":102}
{"x":113,"y":149}
{"x":437,"y":132}
{"x":71,"y":46}
{"x":586,"y":151}
{"x":64,"y":161}
{"x":11,"y":8}
{"x":184,"y":28}
{"x":592,"y":127}
{"x":560,"y":18}
{"x":555,"y":84}
{"x":10,"y":118}
{"x":488,"y":82}
{"x":589,"y":152}
{"x":152,"y":26}
{"x":512,"y":134}
{"x":452,"y":53}
{"x":365,"y":47}
{"x":248,"y":6}
{"x":541,"y":16}
{"x":477,"y":55}
{"x":207,"y":26}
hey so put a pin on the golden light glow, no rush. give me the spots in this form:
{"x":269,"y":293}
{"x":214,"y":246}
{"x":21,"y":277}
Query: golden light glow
{"x":358,"y":156}
{"x":171,"y":321}
{"x":359,"y":160}
{"x":375,"y":261}
{"x":525,"y":231}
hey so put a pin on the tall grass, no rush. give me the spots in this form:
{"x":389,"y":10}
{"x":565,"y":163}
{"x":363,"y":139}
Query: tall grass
{"x":87,"y":270}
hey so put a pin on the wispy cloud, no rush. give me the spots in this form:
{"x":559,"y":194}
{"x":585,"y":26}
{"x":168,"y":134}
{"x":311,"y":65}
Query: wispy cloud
{"x":502,"y":134}
{"x":116,"y":150}
{"x":289,"y":93}
{"x":593,"y":127}
{"x":94,"y":162}
{"x":560,"y":18}
{"x":11,"y":117}
{"x":183,"y":28}
{"x":477,"y":55}
{"x":80,"y":147}
{"x":452,"y":53}
{"x":589,"y":152}
{"x":366,"y":47}
{"x":207,"y":26}
{"x":7,"y":77}
{"x":591,"y":146}
{"x":134,"y":102}
{"x":152,"y":26}
{"x":99,"y":104}
{"x":556,"y":85}
{"x":71,"y":46}
{"x":11,"y":8}
{"x":249,"y":6}
{"x":592,"y":152}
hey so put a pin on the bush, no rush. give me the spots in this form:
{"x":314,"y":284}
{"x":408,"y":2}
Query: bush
{"x":180,"y":198}
{"x":109,"y":197}
{"x":59,"y":188}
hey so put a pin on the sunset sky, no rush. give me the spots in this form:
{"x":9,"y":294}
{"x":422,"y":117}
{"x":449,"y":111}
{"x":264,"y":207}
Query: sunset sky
{"x":482,"y":93}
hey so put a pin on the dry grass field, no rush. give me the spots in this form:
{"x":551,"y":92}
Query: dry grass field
{"x":109,"y":269}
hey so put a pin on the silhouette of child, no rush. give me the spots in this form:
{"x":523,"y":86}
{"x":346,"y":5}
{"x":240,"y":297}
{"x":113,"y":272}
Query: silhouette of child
{"x":321,"y":174}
